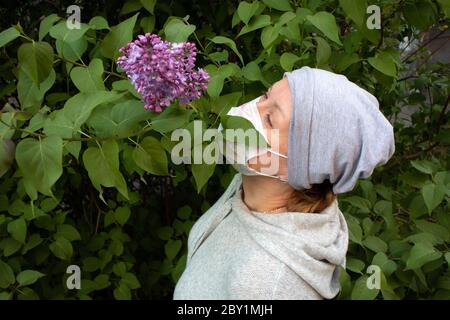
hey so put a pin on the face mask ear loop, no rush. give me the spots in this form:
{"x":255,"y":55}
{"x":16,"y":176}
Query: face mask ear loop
{"x":279,"y":154}
{"x":267,"y":175}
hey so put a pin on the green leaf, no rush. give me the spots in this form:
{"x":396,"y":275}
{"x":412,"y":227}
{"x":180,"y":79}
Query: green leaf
{"x":179,"y":268}
{"x":123,"y":119}
{"x":72,"y":51}
{"x":61,"y":248}
{"x":345,"y":60}
{"x":425,"y":166}
{"x":282,"y":5}
{"x":355,"y":231}
{"x":69,"y":232}
{"x":148,"y":24}
{"x":64,"y":34}
{"x":269,"y":35}
{"x":375,"y":244}
{"x":326,"y":23}
{"x":149,"y":5}
{"x":440,"y":232}
{"x":171,"y":119}
{"x":118,"y":37}
{"x":36,"y":60}
{"x":218,"y":76}
{"x":8,"y":35}
{"x":257,"y":23}
{"x":89,"y":79}
{"x":433,"y":195}
{"x":91,"y":264}
{"x":252,"y":72}
{"x":122,"y":292}
{"x":223,"y":103}
{"x":417,"y":207}
{"x":6,"y":275}
{"x":66,"y":122}
{"x":103,"y":167}
{"x":386,"y":265}
{"x":46,"y":24}
{"x":215,"y":85}
{"x":247,"y":10}
{"x":7,"y":121}
{"x":130,"y":6}
{"x":151,"y":156}
{"x":6,"y":295}
{"x":361,"y":291}
{"x":355,"y":265}
{"x":420,"y":254}
{"x":98,"y":23}
{"x":18,"y":229}
{"x":41,"y":162}
{"x":355,"y":10}
{"x":287,"y":60}
{"x":362,"y":204}
{"x":7,"y":152}
{"x":184,"y":212}
{"x":122,"y":214}
{"x":445,"y":6}
{"x":164,"y":233}
{"x":384,"y":63}
{"x":421,"y":14}
{"x":285,"y":18}
{"x":33,"y":241}
{"x":202,"y":173}
{"x":176,"y":30}
{"x":119,"y":268}
{"x":323,"y":52}
{"x":27,"y":277}
{"x":130,"y":280}
{"x":30,"y":94}
{"x":102,"y":280}
{"x":10,"y":246}
{"x":171,"y":248}
{"x":387,"y":289}
{"x":228,"y":42}
{"x":384,"y":209}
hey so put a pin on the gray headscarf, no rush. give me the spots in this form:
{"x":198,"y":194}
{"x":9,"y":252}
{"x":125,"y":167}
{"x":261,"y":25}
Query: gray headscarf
{"x":336,"y":131}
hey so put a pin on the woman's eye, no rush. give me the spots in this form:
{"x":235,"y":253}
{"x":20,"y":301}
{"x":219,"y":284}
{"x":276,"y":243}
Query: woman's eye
{"x":268,"y":120}
{"x":264,"y":93}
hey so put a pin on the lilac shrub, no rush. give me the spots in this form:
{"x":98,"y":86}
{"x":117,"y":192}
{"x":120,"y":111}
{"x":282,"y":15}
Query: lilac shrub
{"x":163,"y":71}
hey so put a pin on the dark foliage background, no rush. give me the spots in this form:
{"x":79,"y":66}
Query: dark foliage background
{"x":86,"y":177}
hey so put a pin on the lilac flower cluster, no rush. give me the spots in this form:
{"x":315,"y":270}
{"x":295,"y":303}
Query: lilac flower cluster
{"x":163,"y":71}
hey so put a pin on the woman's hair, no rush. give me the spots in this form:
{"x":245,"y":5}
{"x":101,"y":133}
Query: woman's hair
{"x":313,"y":200}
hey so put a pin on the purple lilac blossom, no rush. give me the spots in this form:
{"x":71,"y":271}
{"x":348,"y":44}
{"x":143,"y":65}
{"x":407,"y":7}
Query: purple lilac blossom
{"x":162,"y":71}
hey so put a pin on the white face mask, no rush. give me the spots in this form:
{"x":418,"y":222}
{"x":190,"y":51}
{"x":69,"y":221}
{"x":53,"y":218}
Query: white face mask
{"x":240,"y":154}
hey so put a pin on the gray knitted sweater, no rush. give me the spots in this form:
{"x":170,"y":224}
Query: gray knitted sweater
{"x":235,"y":253}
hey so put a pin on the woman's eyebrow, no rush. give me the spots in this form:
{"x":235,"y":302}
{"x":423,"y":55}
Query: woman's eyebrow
{"x":276,"y":104}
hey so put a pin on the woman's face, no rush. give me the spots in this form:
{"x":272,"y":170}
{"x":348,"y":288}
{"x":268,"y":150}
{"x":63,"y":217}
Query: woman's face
{"x":275,"y":107}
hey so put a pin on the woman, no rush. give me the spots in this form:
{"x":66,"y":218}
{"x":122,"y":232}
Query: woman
{"x":282,"y":235}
